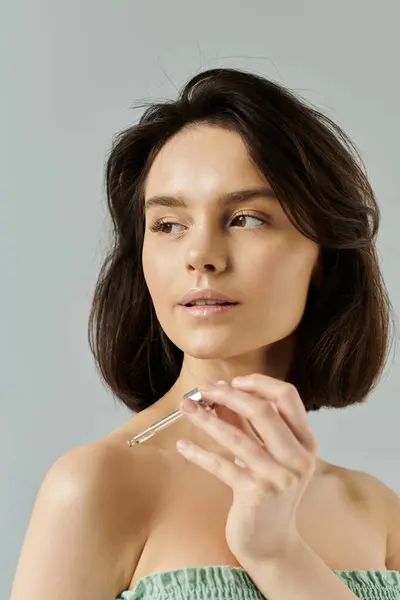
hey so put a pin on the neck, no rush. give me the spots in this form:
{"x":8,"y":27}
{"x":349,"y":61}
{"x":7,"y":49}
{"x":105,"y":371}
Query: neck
{"x":273,"y":361}
{"x":194,"y":372}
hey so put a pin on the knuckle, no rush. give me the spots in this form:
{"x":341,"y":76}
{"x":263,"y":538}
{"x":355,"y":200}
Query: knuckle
{"x":215,"y":463}
{"x":259,"y":488}
{"x":289,"y":392}
{"x":238,"y":437}
{"x":287,"y":481}
{"x":302,"y":464}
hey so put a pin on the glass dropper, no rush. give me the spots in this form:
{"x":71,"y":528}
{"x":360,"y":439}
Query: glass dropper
{"x":169,"y":419}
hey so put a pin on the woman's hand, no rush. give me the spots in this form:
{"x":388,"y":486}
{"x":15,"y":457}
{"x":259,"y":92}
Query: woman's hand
{"x":263,"y":422}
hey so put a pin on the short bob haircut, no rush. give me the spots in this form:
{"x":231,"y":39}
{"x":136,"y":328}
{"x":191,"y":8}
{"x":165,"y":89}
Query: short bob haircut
{"x":315,"y":170}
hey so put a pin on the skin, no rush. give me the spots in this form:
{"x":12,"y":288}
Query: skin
{"x":104,"y":510}
{"x":250,"y":252}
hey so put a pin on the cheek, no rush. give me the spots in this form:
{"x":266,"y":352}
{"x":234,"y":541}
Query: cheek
{"x":280,"y":273}
{"x":158,"y":269}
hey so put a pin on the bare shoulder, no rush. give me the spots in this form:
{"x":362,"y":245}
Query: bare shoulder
{"x":385,"y":506}
{"x":389,"y":502}
{"x":87,"y":525}
{"x":103,"y":464}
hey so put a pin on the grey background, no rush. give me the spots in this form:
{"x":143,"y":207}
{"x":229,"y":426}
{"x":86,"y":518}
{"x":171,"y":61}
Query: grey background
{"x":70,"y":70}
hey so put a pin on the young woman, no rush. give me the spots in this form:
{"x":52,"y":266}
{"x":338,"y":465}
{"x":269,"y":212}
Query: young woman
{"x":245,"y":232}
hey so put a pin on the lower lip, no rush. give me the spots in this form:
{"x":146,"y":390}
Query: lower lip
{"x":208,"y":310}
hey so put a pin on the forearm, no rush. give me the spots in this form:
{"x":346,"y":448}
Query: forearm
{"x":301,"y":575}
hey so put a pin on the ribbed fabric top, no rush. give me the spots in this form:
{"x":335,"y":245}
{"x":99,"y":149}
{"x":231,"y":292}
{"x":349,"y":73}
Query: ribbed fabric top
{"x":225,"y":582}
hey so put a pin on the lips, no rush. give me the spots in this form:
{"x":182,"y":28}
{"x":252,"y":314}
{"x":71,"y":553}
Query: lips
{"x":209,"y":303}
{"x":206,"y":311}
{"x":206,"y":295}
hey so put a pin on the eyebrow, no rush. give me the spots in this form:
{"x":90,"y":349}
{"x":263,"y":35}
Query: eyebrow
{"x":230,"y":198}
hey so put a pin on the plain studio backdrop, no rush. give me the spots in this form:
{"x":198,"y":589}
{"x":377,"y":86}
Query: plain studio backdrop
{"x":70,"y":72}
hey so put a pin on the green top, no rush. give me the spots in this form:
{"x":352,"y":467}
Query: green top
{"x":224,"y":582}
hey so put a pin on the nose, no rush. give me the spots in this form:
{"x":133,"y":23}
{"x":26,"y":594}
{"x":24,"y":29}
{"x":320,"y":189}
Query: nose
{"x":206,"y":252}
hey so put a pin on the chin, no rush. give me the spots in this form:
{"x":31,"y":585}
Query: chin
{"x":206,"y":348}
{"x":203,"y":353}
{"x":212,"y":348}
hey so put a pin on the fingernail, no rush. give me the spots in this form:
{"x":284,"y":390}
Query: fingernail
{"x":212,"y":383}
{"x":182,"y":445}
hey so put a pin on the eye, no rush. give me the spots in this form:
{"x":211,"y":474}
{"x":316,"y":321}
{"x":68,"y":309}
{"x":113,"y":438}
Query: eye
{"x":243,"y":218}
{"x":165,"y":227}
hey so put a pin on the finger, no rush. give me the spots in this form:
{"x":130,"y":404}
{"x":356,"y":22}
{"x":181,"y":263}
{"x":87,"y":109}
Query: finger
{"x":272,"y":463}
{"x":235,"y":419}
{"x":227,"y":472}
{"x":287,"y":401}
{"x":229,"y":416}
{"x":259,"y":413}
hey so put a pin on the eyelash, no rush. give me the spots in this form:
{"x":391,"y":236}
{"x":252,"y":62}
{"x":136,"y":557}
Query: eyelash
{"x":158,"y":225}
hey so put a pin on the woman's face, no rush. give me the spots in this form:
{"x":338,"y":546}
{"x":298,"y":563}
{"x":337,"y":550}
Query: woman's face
{"x":248,"y":251}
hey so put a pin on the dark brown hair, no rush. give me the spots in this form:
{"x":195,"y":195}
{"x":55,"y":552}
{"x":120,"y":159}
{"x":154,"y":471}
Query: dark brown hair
{"x":319,"y":179}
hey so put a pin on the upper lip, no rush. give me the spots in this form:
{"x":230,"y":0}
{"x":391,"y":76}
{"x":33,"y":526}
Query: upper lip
{"x":205,"y":294}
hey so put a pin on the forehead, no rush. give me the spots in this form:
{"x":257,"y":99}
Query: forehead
{"x":205,"y":158}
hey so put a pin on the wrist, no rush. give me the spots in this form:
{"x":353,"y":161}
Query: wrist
{"x":281,"y":560}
